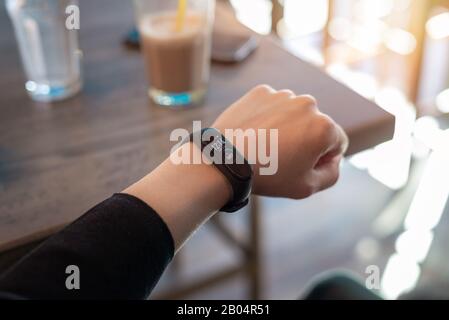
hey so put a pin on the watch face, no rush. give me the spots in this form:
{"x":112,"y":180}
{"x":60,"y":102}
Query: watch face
{"x":217,"y":143}
{"x":213,"y":145}
{"x":236,"y":163}
{"x":229,"y":155}
{"x":224,"y":151}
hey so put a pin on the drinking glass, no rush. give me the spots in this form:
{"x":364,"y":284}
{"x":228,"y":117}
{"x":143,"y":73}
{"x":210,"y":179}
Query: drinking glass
{"x":48,"y":48}
{"x":176,"y":45}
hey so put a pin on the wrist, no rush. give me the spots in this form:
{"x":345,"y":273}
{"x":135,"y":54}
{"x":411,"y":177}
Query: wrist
{"x":209,"y":189}
{"x":184,"y":195}
{"x":229,"y":161}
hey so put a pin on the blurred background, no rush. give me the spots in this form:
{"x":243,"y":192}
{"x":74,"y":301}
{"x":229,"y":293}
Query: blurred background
{"x":389,"y":208}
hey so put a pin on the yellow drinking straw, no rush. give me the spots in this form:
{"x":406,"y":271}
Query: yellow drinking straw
{"x":181,"y":16}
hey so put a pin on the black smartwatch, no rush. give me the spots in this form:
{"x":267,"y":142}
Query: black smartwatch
{"x":230,"y":162}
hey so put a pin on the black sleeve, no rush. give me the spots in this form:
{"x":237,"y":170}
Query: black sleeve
{"x":121,"y":247}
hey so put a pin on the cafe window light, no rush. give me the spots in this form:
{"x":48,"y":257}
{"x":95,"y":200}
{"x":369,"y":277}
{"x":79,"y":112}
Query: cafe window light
{"x":400,"y":276}
{"x":414,"y":244}
{"x":400,"y":41}
{"x":340,"y":29}
{"x":443,"y":101}
{"x":426,"y":209}
{"x":368,"y":9}
{"x":303,"y":17}
{"x":255,"y":14}
{"x":368,"y":36}
{"x":438,"y":26}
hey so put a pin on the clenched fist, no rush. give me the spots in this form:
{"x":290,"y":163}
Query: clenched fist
{"x":310,"y":144}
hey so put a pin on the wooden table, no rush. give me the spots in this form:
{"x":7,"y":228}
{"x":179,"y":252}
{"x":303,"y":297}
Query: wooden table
{"x":56,"y":161}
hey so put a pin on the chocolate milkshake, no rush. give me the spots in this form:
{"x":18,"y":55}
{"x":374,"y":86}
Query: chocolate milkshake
{"x":177,"y":61}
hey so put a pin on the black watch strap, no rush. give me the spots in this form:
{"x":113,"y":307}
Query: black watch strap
{"x":230,"y":162}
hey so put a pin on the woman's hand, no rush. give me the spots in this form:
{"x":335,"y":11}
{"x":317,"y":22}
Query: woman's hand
{"x":310,"y":144}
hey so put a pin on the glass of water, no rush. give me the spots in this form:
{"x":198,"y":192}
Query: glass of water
{"x":48,"y":47}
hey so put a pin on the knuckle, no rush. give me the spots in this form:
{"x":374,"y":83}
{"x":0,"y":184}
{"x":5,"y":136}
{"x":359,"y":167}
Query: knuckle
{"x":263,"y":89}
{"x":298,"y":196}
{"x":307,"y":102}
{"x":309,"y":191}
{"x":304,"y":191}
{"x":326,"y":123}
{"x":325,"y":127}
{"x":286,"y":93}
{"x":334,"y":179}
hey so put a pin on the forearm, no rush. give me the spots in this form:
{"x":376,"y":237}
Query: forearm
{"x":184,"y":195}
